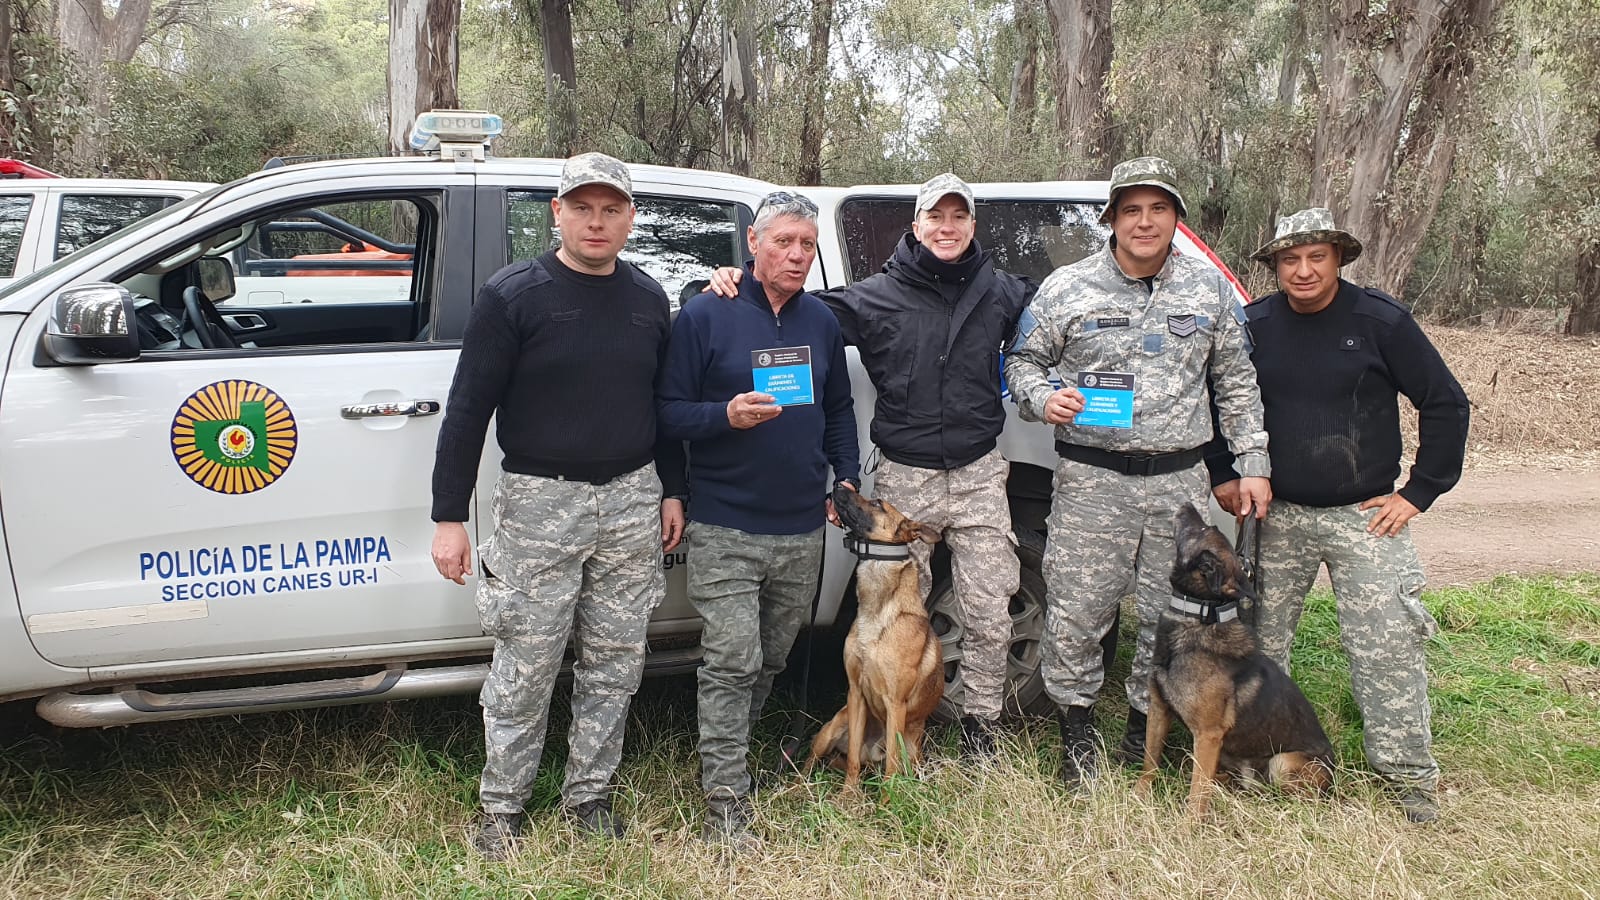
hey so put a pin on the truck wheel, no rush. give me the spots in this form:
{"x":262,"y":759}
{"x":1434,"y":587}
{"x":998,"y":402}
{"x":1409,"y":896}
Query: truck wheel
{"x":1024,"y":685}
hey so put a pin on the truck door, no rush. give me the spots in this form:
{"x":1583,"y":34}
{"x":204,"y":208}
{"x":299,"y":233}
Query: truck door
{"x":267,"y":494}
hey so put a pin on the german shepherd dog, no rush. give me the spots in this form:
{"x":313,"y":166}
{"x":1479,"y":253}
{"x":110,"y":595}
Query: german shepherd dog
{"x":1248,"y":718}
{"x":891,"y":655}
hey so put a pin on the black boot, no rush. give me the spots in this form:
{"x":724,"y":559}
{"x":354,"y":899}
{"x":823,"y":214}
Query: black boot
{"x":977,"y":739}
{"x":1131,"y":751}
{"x":1080,"y":745}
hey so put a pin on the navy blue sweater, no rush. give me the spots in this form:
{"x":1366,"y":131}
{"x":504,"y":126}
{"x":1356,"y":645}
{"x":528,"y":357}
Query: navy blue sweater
{"x":770,"y":479}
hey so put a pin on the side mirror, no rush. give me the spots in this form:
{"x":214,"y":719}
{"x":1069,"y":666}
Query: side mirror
{"x":215,"y":275}
{"x":92,"y":323}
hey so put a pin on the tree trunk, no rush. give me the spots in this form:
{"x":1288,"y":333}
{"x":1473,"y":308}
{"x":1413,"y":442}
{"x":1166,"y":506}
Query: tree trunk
{"x":1395,"y":86}
{"x":423,"y":61}
{"x":816,"y":83}
{"x":1081,"y":34}
{"x":560,"y":77}
{"x":95,"y":41}
{"x":1584,"y":315}
{"x":739,"y":87}
{"x":8,"y":80}
{"x":1024,"y":103}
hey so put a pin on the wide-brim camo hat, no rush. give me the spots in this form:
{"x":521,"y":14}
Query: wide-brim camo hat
{"x":934,"y":189}
{"x":1143,"y":170}
{"x":1309,"y":226}
{"x":595,"y":168}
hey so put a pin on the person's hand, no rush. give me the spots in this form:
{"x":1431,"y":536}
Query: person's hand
{"x":1062,"y":406}
{"x":750,"y":409}
{"x":452,"y":551}
{"x":1227,"y":494}
{"x":1254,"y":493}
{"x":671,"y":524}
{"x":725,"y":282}
{"x":1394,"y":511}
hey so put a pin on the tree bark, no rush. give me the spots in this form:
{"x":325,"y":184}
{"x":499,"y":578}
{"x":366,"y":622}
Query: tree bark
{"x":1395,"y":86}
{"x":739,"y":87}
{"x":560,"y":77}
{"x":8,"y":78}
{"x":423,"y":61}
{"x":95,"y":40}
{"x":1024,"y":103}
{"x":812,"y":116}
{"x":1081,"y":35}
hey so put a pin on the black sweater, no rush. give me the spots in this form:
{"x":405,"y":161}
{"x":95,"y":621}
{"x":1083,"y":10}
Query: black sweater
{"x":569,"y":363}
{"x":1330,"y":382}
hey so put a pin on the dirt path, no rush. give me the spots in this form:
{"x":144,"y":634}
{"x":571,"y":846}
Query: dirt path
{"x":1503,"y":518}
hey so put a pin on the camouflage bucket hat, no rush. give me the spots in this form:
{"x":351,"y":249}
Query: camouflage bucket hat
{"x":934,"y":189}
{"x":1309,"y":226}
{"x":1151,"y":170}
{"x":595,"y":168}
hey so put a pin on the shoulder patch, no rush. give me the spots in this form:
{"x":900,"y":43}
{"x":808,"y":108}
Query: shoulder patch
{"x":643,"y":279}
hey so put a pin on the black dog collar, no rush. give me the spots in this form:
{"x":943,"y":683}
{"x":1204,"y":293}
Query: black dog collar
{"x":1207,"y":613}
{"x":865,"y":549}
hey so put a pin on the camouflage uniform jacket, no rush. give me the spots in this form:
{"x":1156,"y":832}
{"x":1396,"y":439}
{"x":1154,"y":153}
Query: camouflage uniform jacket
{"x":1092,"y":317}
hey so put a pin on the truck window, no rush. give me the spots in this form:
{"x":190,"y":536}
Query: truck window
{"x":1028,"y":237}
{"x":351,"y":271}
{"x":678,"y":241}
{"x":86,"y":218}
{"x":13,"y":217}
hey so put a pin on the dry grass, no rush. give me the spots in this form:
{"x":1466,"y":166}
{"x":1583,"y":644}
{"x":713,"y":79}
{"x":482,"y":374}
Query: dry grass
{"x":1529,"y":392}
{"x":374,"y":802}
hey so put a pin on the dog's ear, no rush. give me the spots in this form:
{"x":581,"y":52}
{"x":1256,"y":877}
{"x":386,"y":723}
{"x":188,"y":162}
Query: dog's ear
{"x":1215,"y":571}
{"x":908,"y":531}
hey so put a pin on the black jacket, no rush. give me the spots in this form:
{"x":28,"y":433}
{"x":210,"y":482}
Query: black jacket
{"x":932,"y":346}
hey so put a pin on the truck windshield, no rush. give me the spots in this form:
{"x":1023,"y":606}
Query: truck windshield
{"x":1027,"y":237}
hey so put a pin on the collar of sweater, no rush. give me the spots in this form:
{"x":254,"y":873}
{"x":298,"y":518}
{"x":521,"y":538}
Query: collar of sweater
{"x":754,"y":292}
{"x":917,"y":263}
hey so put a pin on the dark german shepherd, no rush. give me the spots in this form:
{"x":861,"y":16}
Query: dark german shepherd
{"x":1248,"y":718}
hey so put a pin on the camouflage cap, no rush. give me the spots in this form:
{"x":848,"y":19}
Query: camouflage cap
{"x":934,"y":189}
{"x":1150,"y":170}
{"x":1309,"y":226}
{"x":595,"y":168}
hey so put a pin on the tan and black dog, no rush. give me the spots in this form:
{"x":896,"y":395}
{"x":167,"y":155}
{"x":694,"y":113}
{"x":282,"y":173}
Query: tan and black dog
{"x":1249,"y":720}
{"x":891,"y":655}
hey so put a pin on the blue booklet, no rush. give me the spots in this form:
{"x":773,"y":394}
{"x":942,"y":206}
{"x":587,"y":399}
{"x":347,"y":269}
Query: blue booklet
{"x":785,"y":373}
{"x":1107,"y":399}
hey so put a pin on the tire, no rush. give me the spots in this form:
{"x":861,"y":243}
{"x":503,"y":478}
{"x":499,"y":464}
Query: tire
{"x":1024,"y":691}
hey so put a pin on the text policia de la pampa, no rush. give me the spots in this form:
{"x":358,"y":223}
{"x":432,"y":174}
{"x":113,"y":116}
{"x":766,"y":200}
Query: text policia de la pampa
{"x":203,"y":573}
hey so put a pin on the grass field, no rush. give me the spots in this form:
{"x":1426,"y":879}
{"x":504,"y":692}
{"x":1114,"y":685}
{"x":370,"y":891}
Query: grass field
{"x":374,"y":801}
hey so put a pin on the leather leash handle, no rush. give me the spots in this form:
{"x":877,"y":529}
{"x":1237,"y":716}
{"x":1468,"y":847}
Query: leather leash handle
{"x":1247,"y":546}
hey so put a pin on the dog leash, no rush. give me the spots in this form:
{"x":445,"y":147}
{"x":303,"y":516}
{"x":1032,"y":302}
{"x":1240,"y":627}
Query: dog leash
{"x":1247,"y":546}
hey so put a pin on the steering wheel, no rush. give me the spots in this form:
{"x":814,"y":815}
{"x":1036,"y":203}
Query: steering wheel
{"x":207,"y":324}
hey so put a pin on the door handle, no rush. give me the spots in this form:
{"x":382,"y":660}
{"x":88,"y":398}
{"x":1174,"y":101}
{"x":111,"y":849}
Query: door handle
{"x":396,"y":408}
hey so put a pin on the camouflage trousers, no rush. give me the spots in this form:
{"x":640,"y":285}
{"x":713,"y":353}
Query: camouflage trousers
{"x":969,"y":506}
{"x":565,"y":552}
{"x":1104,"y":528}
{"x":754,"y":593}
{"x":1377,"y":584}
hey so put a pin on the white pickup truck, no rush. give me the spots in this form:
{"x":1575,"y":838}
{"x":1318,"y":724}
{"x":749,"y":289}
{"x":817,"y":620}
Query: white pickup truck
{"x":44,"y":219}
{"x":216,"y":502}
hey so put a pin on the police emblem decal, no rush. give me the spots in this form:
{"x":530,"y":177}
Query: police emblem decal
{"x":234,"y":437}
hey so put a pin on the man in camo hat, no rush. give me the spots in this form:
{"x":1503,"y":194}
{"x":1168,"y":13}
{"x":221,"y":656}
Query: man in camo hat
{"x":1333,"y":360}
{"x":579,"y":517}
{"x":1136,"y":333}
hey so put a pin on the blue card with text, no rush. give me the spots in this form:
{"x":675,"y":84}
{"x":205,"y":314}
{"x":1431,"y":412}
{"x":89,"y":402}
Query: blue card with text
{"x":1107,"y":399}
{"x":785,"y":373}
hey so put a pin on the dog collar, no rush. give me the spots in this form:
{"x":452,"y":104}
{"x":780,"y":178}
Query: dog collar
{"x":865,"y":549}
{"x":1207,"y":613}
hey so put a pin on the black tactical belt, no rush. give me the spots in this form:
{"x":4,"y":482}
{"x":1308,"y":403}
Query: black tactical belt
{"x":1131,"y":464}
{"x":540,"y":472}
